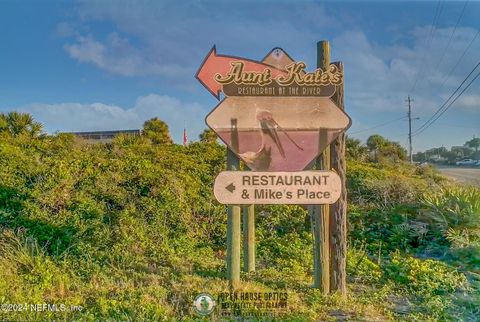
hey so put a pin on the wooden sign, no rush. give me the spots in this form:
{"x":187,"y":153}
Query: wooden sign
{"x":274,"y":119}
{"x":237,"y":76}
{"x":277,"y":116}
{"x":302,"y":187}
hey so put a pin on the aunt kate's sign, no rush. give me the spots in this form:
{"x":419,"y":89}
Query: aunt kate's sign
{"x":244,"y":77}
{"x":295,"y":75}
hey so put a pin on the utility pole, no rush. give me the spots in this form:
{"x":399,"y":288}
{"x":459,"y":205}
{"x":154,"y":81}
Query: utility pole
{"x":410,"y":129}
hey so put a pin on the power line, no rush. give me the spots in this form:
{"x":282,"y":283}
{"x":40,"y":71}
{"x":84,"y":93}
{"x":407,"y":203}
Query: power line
{"x":431,"y":119}
{"x":459,"y":59}
{"x":429,"y":40}
{"x":446,"y":102}
{"x":379,"y":125}
{"x":451,"y":103}
{"x":451,"y":36}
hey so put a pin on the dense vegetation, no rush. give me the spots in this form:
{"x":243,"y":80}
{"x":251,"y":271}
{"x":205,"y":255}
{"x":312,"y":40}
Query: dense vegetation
{"x":129,"y":230}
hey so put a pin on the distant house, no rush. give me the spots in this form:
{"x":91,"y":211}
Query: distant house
{"x":436,"y":158}
{"x":104,"y":136}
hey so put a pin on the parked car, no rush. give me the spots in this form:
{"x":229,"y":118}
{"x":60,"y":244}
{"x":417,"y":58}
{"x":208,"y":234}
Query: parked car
{"x":466,"y":162}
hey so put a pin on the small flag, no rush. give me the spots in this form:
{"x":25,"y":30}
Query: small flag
{"x":185,"y":139}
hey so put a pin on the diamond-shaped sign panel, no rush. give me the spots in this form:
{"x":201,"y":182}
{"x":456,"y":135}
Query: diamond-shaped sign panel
{"x":277,"y":133}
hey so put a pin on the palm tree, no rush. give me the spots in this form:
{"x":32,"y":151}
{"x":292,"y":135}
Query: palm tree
{"x":355,"y":149}
{"x":374,"y":143}
{"x":16,"y":123}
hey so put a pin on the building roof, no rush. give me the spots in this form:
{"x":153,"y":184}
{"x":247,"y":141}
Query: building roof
{"x":104,"y":135}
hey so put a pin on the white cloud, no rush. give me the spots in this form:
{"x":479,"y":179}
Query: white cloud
{"x":71,"y":117}
{"x":379,"y":77}
{"x":171,"y":38}
{"x":470,"y":102}
{"x":118,"y":56}
{"x":87,"y":50}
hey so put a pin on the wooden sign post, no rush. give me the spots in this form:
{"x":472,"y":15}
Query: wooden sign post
{"x":233,"y":219}
{"x":249,"y":238}
{"x":321,"y":213}
{"x":338,"y":211}
{"x":277,"y":118}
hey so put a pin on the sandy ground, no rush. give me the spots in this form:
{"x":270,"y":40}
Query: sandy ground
{"x":464,"y":175}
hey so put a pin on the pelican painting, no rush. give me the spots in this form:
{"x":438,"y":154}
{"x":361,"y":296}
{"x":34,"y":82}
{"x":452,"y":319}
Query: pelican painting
{"x":261,"y":159}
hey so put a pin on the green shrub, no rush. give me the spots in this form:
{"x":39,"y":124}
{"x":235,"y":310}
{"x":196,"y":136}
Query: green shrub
{"x":382,"y":186}
{"x":361,"y":268}
{"x":423,"y":277}
{"x":131,"y":231}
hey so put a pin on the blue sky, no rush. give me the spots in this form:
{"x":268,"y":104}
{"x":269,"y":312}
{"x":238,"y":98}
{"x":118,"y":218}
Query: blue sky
{"x":104,"y":65}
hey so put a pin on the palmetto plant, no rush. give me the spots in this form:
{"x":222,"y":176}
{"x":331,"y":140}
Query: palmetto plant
{"x":463,"y":237}
{"x":454,"y":213}
{"x":455,"y":207}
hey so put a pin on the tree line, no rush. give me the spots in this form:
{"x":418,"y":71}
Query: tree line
{"x":469,"y":150}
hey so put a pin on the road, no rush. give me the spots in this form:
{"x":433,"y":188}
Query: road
{"x":464,"y":175}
